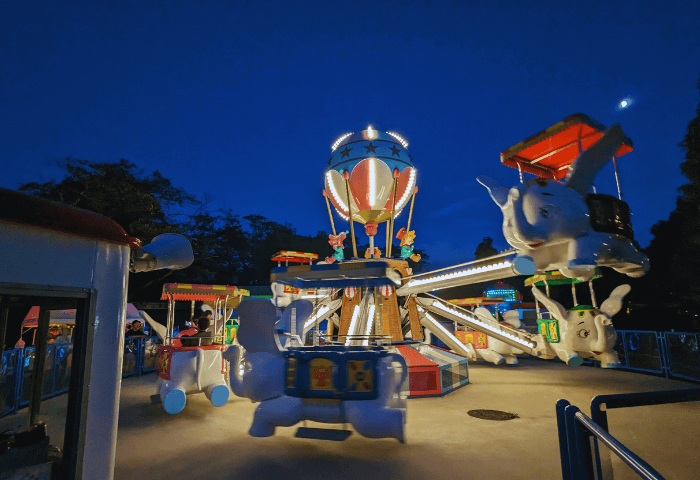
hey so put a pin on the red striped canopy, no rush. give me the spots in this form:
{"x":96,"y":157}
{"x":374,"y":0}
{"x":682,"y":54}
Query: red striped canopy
{"x":549,"y":154}
{"x":188,"y":291}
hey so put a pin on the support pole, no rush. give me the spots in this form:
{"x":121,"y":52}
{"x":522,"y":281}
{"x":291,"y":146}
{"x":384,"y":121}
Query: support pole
{"x":410,"y":212}
{"x":617,"y":178}
{"x":593,"y":300}
{"x":4,"y":313}
{"x":346,"y":176}
{"x":573,"y":293}
{"x":388,"y":237}
{"x":330,"y":215}
{"x":37,"y":385}
{"x":393,"y":212}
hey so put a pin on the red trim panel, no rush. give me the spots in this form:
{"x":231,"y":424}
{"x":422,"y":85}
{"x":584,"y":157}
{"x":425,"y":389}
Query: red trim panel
{"x":37,"y":212}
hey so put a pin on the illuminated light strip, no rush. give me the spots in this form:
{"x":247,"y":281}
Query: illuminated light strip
{"x":409,"y":190}
{"x":355,"y":314}
{"x":398,"y":137}
{"x":371,"y":133}
{"x":340,"y":140}
{"x":334,"y":192}
{"x":370,"y":322}
{"x":437,"y":324}
{"x":305,"y":297}
{"x":483,"y":325}
{"x":322,"y":311}
{"x":462,"y":273}
{"x":372,"y":181}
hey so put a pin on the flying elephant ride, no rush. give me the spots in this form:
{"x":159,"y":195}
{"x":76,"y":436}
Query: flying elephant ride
{"x":584,"y":331}
{"x":354,"y":379}
{"x":194,"y":364}
{"x":555,"y":219}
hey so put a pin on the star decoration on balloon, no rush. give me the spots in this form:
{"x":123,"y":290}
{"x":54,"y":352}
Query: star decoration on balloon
{"x":346,"y":152}
{"x":395,"y":151}
{"x":371,"y":148}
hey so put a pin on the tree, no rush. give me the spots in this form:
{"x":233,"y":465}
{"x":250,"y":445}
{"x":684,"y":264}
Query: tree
{"x":140,"y":204}
{"x":674,"y":252}
{"x":485,"y":249}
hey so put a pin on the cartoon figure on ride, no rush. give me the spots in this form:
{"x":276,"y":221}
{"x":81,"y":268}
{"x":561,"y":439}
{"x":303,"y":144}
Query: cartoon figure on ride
{"x":193,"y":364}
{"x":330,"y":384}
{"x":562,"y":226}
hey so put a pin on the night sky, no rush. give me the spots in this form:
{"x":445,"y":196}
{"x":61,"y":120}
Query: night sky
{"x":242,"y":100}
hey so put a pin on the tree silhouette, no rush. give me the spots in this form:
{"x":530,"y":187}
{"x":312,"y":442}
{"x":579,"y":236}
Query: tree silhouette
{"x":485,"y":249}
{"x":674,"y":252}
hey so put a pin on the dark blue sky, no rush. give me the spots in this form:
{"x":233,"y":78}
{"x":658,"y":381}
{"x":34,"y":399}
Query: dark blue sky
{"x":243,"y":99}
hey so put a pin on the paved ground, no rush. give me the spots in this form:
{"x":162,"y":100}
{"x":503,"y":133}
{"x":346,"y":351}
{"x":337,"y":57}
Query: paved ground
{"x":443,"y":442}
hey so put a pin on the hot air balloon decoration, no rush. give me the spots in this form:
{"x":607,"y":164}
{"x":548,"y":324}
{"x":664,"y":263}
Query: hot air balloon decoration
{"x":369,"y":179}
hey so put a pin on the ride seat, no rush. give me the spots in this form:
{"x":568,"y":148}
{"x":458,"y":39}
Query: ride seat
{"x":609,"y":215}
{"x":196,"y":341}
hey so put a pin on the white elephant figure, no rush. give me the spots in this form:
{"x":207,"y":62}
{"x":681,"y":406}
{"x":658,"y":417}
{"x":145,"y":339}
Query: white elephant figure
{"x":494,"y":350}
{"x":584,"y":332}
{"x":187,"y":370}
{"x":258,"y":372}
{"x":550,"y":221}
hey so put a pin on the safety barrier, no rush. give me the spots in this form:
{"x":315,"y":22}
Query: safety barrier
{"x":673,"y":354}
{"x":585,"y":443}
{"x":140,"y":356}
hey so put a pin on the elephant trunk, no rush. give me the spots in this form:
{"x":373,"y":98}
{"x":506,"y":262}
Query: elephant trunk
{"x":605,"y":341}
{"x":233,"y":354}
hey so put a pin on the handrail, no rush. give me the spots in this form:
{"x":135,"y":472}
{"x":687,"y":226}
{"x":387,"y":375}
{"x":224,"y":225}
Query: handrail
{"x":639,"y":399}
{"x":639,"y":466}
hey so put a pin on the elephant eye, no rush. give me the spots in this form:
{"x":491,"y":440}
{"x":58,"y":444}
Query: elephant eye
{"x":583,"y":333}
{"x":582,"y":313}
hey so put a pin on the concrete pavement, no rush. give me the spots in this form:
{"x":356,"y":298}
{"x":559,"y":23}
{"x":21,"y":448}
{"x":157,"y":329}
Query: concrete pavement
{"x":204,"y":442}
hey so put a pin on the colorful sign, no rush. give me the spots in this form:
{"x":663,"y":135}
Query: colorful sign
{"x":291,"y":372}
{"x":478,"y":339}
{"x":321,"y":373}
{"x":164,"y":357}
{"x":550,"y":329}
{"x":360,"y":376}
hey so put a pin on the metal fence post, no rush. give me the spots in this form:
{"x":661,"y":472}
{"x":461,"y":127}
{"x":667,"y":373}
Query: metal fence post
{"x":572,"y":438}
{"x":19,"y":375}
{"x":624,"y":347}
{"x":139,"y":357}
{"x":563,"y":440}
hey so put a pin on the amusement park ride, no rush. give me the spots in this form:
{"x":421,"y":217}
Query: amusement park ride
{"x":380,"y":307}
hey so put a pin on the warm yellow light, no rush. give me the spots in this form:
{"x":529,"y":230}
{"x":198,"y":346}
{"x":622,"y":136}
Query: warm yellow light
{"x":372,"y":182}
{"x":371,"y":133}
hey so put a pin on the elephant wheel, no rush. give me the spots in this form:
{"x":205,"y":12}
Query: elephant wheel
{"x":174,"y":401}
{"x":219,"y":395}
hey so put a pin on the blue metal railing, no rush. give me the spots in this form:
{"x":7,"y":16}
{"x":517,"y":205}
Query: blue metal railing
{"x":140,"y":356}
{"x":582,"y":460}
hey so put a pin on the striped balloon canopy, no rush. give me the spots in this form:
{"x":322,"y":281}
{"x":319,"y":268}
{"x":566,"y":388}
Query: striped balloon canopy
{"x":368,"y":174}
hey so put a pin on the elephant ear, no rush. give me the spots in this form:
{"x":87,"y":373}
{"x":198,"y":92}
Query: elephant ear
{"x":485,"y":315}
{"x":497,"y":192}
{"x":257,"y":326}
{"x":614,"y":302}
{"x":588,"y":164}
{"x":555,"y":308}
{"x":303,"y":311}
